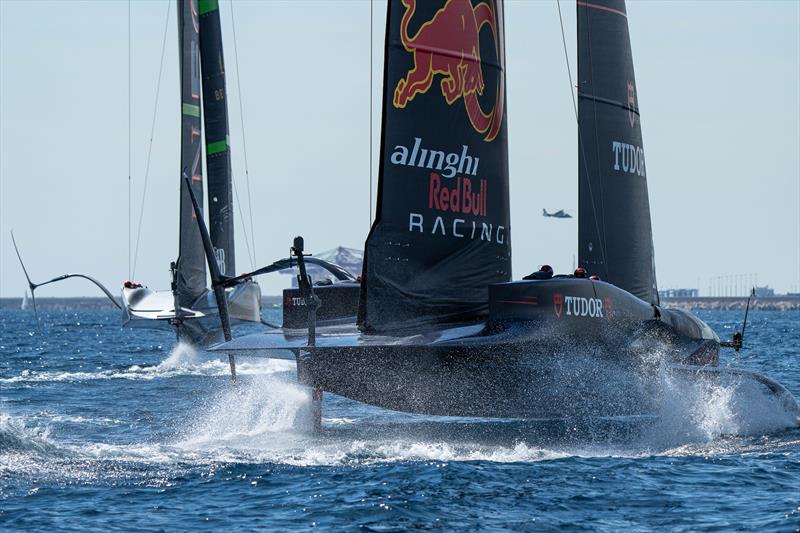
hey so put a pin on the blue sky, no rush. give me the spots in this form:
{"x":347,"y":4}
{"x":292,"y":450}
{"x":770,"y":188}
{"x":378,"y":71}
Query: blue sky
{"x":719,"y":93}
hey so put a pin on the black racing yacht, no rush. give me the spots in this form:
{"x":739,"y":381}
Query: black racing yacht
{"x":436,"y":324}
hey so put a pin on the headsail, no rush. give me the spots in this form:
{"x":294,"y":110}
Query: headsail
{"x":441,"y":232}
{"x":191,"y":266}
{"x":614,"y":234}
{"x":218,"y":157}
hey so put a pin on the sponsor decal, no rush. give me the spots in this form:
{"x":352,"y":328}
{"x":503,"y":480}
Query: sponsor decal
{"x":219,"y":255}
{"x":628,"y":158}
{"x":558,"y":303}
{"x":631,"y":104}
{"x":457,"y":227}
{"x":459,"y":198}
{"x":458,"y":201}
{"x":577,"y":306}
{"x":449,"y":45}
{"x":293,"y":301}
{"x":449,"y":164}
{"x":608,"y":305}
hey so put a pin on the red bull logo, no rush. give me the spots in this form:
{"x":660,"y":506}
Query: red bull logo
{"x":449,"y":45}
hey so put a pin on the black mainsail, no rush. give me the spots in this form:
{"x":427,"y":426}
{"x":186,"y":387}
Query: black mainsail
{"x":218,"y":157}
{"x":615,"y":239}
{"x":441,"y":233}
{"x":191,"y":282}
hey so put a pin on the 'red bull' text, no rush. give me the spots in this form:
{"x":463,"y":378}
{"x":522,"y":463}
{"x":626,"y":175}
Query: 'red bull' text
{"x":458,"y":198}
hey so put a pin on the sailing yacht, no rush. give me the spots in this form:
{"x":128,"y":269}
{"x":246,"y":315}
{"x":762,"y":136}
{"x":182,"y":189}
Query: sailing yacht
{"x":189,"y":305}
{"x":442,"y":328}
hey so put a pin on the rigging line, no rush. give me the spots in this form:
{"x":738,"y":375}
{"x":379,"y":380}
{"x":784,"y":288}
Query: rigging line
{"x":233,"y":178}
{"x":150,"y":146}
{"x":244,"y":139}
{"x":580,"y":140}
{"x":129,"y":140}
{"x":241,"y":218}
{"x":370,"y":113}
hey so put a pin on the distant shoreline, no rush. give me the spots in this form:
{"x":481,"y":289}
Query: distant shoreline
{"x":771,"y":303}
{"x":766,"y":303}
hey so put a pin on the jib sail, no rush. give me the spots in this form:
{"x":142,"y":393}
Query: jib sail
{"x":614,"y":234}
{"x":218,"y":157}
{"x":441,"y":233}
{"x":191,"y":264}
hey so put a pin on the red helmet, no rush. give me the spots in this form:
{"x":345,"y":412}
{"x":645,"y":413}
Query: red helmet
{"x":580,"y":272}
{"x":546,"y":268}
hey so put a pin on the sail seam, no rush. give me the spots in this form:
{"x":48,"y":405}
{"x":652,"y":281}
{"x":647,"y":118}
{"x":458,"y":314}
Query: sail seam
{"x":609,"y":101}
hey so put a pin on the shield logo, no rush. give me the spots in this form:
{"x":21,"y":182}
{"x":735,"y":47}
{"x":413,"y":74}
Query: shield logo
{"x":558,"y":303}
{"x":631,"y":104}
{"x":608,"y":308}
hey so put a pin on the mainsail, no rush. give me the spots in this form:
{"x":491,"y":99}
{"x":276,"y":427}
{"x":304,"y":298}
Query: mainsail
{"x":615,"y":238}
{"x":191,"y":263}
{"x":441,"y":233}
{"x":218,"y":160}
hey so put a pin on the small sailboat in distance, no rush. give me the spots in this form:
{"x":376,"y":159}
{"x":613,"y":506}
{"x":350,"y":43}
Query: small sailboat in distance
{"x":441,"y":328}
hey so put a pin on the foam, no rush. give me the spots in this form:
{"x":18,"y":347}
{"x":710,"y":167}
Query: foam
{"x":264,"y":419}
{"x":183,"y":360}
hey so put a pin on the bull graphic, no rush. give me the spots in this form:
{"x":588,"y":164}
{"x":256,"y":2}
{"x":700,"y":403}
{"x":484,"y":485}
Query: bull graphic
{"x":449,"y":44}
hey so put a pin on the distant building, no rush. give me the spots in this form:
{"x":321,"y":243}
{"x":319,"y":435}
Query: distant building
{"x":764,"y":292}
{"x":679,"y":293}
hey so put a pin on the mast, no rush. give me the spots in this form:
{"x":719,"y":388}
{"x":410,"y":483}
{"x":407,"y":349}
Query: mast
{"x":441,"y":232}
{"x":615,"y":239}
{"x":218,"y":160}
{"x":191,"y":279}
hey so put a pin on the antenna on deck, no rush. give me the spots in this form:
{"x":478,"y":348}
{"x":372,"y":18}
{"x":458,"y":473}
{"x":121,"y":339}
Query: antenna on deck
{"x":33,"y":286}
{"x":738,"y":337}
{"x":217,"y":279}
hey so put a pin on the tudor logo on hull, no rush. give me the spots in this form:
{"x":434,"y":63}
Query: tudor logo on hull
{"x":577,"y":306}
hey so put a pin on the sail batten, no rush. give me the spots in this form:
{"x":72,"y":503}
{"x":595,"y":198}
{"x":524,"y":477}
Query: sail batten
{"x":614,"y":230}
{"x":441,"y":233}
{"x":191,"y":282}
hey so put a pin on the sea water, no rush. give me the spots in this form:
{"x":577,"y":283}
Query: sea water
{"x":108,"y":428}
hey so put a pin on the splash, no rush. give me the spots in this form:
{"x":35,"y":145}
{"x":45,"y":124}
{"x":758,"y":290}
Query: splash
{"x":699,"y":408}
{"x":183,"y":360}
{"x":254,"y":412}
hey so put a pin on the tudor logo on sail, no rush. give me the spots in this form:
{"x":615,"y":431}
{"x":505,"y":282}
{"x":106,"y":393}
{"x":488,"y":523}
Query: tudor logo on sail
{"x":449,"y":44}
{"x":628,"y":158}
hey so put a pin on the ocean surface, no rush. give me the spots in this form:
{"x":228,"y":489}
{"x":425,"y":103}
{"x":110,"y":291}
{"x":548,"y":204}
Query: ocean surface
{"x":107,"y":428}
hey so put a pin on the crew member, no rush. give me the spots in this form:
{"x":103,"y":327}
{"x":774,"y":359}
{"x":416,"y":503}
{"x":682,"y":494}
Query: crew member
{"x":545,"y":272}
{"x":580,"y":272}
{"x":594,"y":277}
